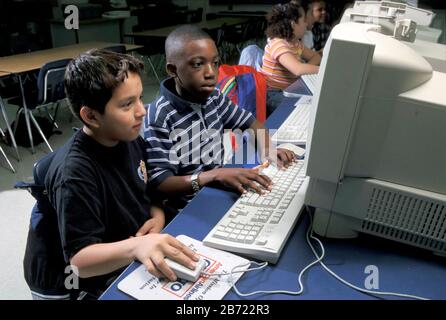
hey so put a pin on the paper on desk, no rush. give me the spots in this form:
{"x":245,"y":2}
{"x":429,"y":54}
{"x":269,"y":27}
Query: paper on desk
{"x":141,"y":285}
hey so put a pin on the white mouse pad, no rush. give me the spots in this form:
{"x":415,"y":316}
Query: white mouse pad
{"x":142,"y":285}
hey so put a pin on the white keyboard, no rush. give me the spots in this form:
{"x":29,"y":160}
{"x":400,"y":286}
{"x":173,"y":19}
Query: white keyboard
{"x":310,"y":81}
{"x":258,"y":226}
{"x":295,"y":128}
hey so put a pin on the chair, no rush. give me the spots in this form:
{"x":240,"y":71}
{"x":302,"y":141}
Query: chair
{"x":211,"y":16}
{"x":152,"y":48}
{"x":11,"y":135}
{"x":4,"y":154}
{"x":196,"y":16}
{"x":218,"y":36}
{"x":50,"y":89}
{"x":261,"y":27}
{"x":44,"y":263}
{"x":118,"y":49}
{"x":235,"y":35}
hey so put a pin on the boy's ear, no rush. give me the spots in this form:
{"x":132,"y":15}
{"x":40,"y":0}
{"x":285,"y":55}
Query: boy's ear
{"x":89,"y":116}
{"x":171,"y":70}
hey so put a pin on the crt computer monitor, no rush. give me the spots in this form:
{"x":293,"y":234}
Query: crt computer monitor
{"x":421,"y":16}
{"x":376,"y":153}
{"x":424,"y":39}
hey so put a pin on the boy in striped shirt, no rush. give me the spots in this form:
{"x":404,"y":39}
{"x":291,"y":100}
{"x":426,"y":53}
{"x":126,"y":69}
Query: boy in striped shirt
{"x":183,"y":128}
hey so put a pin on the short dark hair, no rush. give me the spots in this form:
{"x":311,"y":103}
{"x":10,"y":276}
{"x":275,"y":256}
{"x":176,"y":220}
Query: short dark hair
{"x":279,"y":20}
{"x":91,"y":78}
{"x":176,"y":39}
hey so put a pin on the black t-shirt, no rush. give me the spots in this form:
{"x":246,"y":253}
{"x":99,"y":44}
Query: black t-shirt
{"x":100,"y":195}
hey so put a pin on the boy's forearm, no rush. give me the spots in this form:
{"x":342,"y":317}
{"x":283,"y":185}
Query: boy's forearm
{"x":181,"y":185}
{"x":103,"y":258}
{"x":176,"y":185}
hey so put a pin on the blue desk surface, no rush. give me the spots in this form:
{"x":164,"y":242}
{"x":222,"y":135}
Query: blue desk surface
{"x":401,"y":268}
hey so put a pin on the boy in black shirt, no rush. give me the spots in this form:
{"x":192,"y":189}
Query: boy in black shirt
{"x":98,"y":184}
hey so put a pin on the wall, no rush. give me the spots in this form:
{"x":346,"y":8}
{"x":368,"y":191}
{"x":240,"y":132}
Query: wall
{"x":193,"y":4}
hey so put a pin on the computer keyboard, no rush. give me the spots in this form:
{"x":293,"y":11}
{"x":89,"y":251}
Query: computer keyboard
{"x":258,"y":226}
{"x":310,"y":81}
{"x":295,"y":128}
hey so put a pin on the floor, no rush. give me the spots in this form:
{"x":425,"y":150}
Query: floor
{"x":15,"y":205}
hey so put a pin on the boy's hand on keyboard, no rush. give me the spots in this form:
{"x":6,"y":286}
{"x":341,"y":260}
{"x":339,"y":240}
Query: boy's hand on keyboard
{"x":241,"y":179}
{"x":283,"y":158}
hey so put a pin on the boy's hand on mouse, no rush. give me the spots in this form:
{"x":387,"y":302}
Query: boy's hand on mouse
{"x":241,"y":179}
{"x":153,"y":225}
{"x":151,"y":250}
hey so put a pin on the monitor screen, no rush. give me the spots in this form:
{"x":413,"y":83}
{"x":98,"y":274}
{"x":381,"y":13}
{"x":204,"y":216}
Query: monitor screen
{"x":377,"y":145}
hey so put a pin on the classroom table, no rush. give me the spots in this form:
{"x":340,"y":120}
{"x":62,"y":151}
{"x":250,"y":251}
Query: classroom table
{"x":208,"y":24}
{"x":25,"y":62}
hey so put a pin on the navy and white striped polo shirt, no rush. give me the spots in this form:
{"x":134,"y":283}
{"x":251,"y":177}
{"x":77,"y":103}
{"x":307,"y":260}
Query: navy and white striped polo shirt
{"x":183,"y":137}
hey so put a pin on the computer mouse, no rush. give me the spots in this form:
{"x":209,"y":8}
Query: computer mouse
{"x":183,"y":272}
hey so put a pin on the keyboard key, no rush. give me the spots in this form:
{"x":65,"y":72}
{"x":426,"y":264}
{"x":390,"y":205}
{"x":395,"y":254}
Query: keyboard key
{"x":261,"y":242}
{"x":221,"y":235}
{"x":274,"y":220}
{"x":232,"y":237}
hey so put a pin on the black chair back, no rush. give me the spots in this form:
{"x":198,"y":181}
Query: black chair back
{"x":196,"y":16}
{"x":117,"y":49}
{"x":43,"y":242}
{"x":50,"y":82}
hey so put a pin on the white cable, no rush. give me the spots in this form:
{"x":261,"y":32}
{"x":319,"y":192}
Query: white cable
{"x":261,"y":266}
{"x":403,"y":295}
{"x":319,"y":259}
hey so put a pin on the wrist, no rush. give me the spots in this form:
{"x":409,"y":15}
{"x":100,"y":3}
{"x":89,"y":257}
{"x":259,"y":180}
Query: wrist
{"x":206,"y":177}
{"x":194,"y":182}
{"x":134,"y":244}
{"x":156,"y":211}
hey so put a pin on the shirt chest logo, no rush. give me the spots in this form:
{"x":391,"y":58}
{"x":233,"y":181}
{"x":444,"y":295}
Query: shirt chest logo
{"x":142,"y":171}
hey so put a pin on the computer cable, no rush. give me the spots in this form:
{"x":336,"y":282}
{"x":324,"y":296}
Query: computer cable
{"x":371,"y":292}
